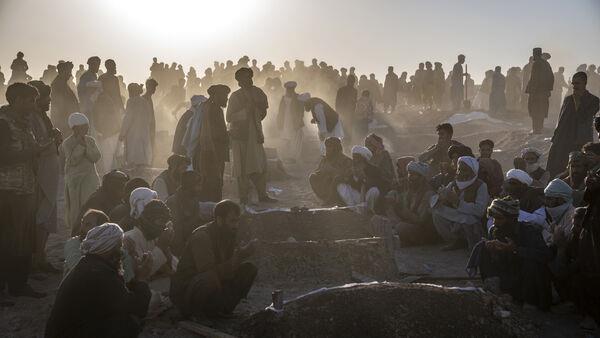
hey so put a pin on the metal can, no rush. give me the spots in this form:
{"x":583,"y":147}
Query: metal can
{"x":277,"y":298}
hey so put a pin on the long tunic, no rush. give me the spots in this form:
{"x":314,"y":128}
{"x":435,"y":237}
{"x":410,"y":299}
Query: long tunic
{"x":108,"y":109}
{"x":246,"y":109}
{"x":574,"y":129}
{"x":81,"y":177}
{"x":136,"y":132}
{"x":539,"y":87}
{"x":324,"y":178}
{"x":47,"y":173}
{"x":290,"y":122}
{"x":64,"y":103}
{"x":498,"y":95}
{"x":84,"y":92}
{"x":390,"y":89}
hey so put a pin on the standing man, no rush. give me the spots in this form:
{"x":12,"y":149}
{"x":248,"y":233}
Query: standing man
{"x":575,"y":123}
{"x":213,"y":146}
{"x":17,"y":190}
{"x":47,"y":173}
{"x":457,"y":87}
{"x":557,"y":91}
{"x":345,"y":105}
{"x":390,"y":90}
{"x":87,"y":85}
{"x":151,"y":85}
{"x":498,"y":92}
{"x":539,"y":87}
{"x":64,"y":101}
{"x":290,"y":122}
{"x":246,"y":109}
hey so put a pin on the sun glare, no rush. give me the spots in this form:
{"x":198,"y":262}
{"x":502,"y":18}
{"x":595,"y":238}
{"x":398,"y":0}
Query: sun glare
{"x":180,"y":20}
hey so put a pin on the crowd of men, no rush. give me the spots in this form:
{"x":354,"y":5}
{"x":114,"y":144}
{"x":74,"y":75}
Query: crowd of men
{"x":531,"y":230}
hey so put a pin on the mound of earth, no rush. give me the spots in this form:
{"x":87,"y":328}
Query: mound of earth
{"x":386,"y":310}
{"x":311,"y":225}
{"x":285,"y":263}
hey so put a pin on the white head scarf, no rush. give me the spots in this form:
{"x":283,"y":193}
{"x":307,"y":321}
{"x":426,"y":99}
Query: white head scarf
{"x":520,"y":176}
{"x":138,"y":200}
{"x":78,"y":119}
{"x":474,"y":165}
{"x":559,"y":188}
{"x":420,"y":168}
{"x":362,"y":151}
{"x":102,"y":239}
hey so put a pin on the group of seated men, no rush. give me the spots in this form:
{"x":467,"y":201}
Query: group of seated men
{"x":128,"y":237}
{"x":530,"y":235}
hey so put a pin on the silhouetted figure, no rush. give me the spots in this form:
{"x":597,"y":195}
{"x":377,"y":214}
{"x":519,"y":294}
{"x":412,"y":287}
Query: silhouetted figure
{"x":49,"y":74}
{"x":575,"y":123}
{"x":19,"y":69}
{"x":64,"y":101}
{"x":390,"y":91}
{"x":213,"y":148}
{"x":345,"y":105}
{"x":418,"y":82}
{"x":498,"y":94}
{"x":539,"y":87}
{"x":88,"y":86}
{"x":290,"y":123}
{"x":246,"y":109}
{"x":526,"y":75}
{"x":327,"y":120}
{"x":513,"y":89}
{"x":136,"y":129}
{"x":457,"y":88}
{"x":151,"y":86}
{"x":78,"y":74}
{"x":557,"y":92}
{"x":438,"y":85}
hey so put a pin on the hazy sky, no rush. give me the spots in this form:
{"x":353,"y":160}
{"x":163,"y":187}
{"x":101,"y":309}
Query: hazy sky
{"x":369,"y":34}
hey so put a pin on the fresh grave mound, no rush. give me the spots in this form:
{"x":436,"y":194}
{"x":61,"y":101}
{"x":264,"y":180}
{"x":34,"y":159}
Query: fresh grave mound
{"x":308,"y":225}
{"x":385,"y":310}
{"x":324,"y":262}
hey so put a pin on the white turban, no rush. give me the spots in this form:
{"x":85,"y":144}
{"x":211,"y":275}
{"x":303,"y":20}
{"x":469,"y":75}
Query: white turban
{"x":303,"y":97}
{"x":420,"y":168}
{"x":531,"y":150}
{"x":559,"y":188}
{"x":471,"y":162}
{"x":520,"y":176}
{"x":198,"y":99}
{"x":362,"y":151}
{"x":290,"y":84}
{"x":138,"y":199}
{"x":102,"y":239}
{"x":78,"y":119}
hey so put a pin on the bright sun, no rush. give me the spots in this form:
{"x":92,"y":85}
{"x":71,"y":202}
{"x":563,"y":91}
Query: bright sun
{"x":181,"y":20}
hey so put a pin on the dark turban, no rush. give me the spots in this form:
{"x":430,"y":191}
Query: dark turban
{"x":219,"y":89}
{"x":243,"y":72}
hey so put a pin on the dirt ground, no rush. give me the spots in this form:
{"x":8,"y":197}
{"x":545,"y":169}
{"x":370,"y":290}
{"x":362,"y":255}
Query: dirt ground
{"x":409,"y":134}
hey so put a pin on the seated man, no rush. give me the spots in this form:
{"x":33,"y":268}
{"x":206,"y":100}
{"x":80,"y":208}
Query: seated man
{"x":459,"y":208}
{"x":518,"y":187}
{"x":333,"y":165}
{"x":72,"y":250}
{"x":120,"y":213}
{"x":490,"y":170}
{"x":529,"y":162}
{"x":168,"y":181}
{"x":401,"y":182}
{"x":408,"y":212}
{"x":92,"y":300}
{"x":577,"y":169}
{"x":558,"y":210}
{"x":365,"y":185}
{"x":187,"y":210}
{"x":438,"y":153}
{"x":108,"y":195}
{"x":381,"y":157}
{"x":212,"y":276}
{"x":515,"y":257}
{"x":448,"y":169}
{"x":592,"y":152}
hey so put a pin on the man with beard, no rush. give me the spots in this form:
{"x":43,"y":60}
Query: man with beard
{"x":539,"y":87}
{"x":381,"y":157}
{"x":187,"y":131}
{"x":390,"y":90}
{"x":246,"y":109}
{"x":515,"y":257}
{"x":47,"y":173}
{"x":64,"y":101}
{"x":448,"y":169}
{"x":167,"y":182}
{"x":106,"y":198}
{"x":518,"y":186}
{"x":529,"y":162}
{"x":574,"y":128}
{"x":88,"y":85}
{"x":212,"y":150}
{"x":17,"y":190}
{"x":345,"y":105}
{"x":575,"y":175}
{"x":333,"y":165}
{"x":459,"y":208}
{"x":93,"y":300}
{"x":438,"y":153}
{"x":213,"y":275}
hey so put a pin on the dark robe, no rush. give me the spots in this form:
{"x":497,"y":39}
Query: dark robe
{"x":64,"y":103}
{"x":108,"y":108}
{"x":539,"y":87}
{"x":180,"y":130}
{"x":206,"y":281}
{"x":345,"y":106}
{"x":390,"y":89}
{"x":93,"y":301}
{"x":323,"y":179}
{"x":498,"y":95}
{"x":574,"y":129}
{"x":523,"y":274}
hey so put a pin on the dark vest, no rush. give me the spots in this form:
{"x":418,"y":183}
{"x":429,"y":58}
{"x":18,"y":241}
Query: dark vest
{"x":331,"y":117}
{"x":171,"y":184}
{"x":470,"y":193}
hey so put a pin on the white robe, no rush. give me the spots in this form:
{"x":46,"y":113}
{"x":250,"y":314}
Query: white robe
{"x":337,"y":131}
{"x":135,"y":132}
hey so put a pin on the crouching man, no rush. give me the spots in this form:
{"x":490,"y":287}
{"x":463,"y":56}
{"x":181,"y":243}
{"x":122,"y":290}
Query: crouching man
{"x":212,"y":276}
